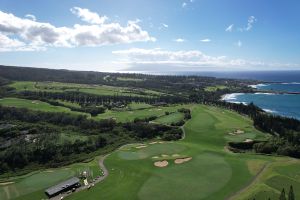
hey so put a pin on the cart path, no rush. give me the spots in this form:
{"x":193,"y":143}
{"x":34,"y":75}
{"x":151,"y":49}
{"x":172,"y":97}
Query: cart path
{"x":252,"y":182}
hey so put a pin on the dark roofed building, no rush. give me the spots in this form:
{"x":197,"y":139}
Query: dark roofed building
{"x":63,"y":187}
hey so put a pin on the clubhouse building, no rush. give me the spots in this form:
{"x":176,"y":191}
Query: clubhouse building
{"x":70,"y":184}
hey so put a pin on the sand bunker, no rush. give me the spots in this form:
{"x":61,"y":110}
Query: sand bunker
{"x":248,"y":140}
{"x":182,"y":160}
{"x":161,"y":142}
{"x":175,"y":155}
{"x":239,"y":131}
{"x":164,"y":155}
{"x":155,"y":157}
{"x":153,"y":143}
{"x":140,"y":147}
{"x":162,"y":163}
{"x":6,"y":183}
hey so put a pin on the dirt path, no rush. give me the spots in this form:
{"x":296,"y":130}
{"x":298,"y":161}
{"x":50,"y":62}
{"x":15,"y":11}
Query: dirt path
{"x":253,"y":181}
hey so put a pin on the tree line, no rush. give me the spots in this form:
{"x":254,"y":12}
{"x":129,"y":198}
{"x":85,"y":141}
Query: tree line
{"x":48,"y":150}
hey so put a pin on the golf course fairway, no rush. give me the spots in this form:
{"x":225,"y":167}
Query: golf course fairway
{"x":199,"y":166}
{"x":211,"y":173}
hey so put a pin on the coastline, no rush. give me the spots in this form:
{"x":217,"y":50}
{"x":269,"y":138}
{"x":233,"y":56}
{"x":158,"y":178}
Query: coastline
{"x":276,"y":99}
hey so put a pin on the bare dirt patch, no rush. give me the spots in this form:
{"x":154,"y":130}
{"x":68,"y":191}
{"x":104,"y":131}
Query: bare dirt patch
{"x":162,"y":163}
{"x":182,"y":160}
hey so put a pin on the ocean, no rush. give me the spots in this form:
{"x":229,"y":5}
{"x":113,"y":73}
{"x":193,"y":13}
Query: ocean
{"x":279,"y":104}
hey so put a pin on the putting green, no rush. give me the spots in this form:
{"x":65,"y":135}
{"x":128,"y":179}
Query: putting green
{"x":185,"y":181}
{"x":151,"y":150}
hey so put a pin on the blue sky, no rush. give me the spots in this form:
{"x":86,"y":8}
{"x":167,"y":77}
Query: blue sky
{"x":110,"y":35}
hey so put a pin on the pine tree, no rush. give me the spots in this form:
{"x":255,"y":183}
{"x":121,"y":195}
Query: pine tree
{"x":291,"y":193}
{"x":282,"y":195}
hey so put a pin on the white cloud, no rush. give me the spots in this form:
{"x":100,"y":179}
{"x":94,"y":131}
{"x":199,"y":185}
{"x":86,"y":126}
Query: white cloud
{"x":165,"y":25}
{"x":159,"y":56}
{"x":30,"y":16}
{"x":41,"y":35}
{"x":179,"y":40}
{"x":239,"y":44}
{"x":186,"y":3}
{"x":196,"y":59}
{"x":251,"y":21}
{"x":7,"y":44}
{"x":88,"y":16}
{"x":229,"y":28}
{"x":206,"y":40}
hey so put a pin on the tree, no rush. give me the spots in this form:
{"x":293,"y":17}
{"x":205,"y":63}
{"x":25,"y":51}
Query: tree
{"x":282,"y":195}
{"x":291,"y":193}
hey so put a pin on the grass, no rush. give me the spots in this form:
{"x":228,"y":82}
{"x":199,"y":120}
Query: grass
{"x":171,"y":118}
{"x":68,"y":103}
{"x":35,"y":105}
{"x":282,"y":173}
{"x":130,"y":115}
{"x":85,"y":88}
{"x":213,"y":173}
{"x":129,"y":79}
{"x":138,"y":106}
{"x":32,"y":186}
{"x":215,"y":88}
{"x":138,"y":178}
